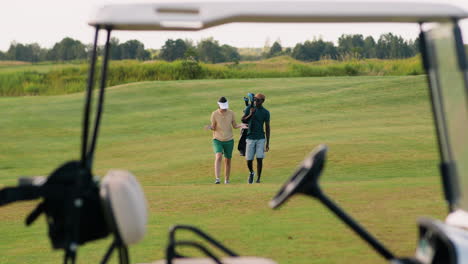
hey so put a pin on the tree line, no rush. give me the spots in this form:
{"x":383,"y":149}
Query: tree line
{"x":70,"y":49}
{"x":356,"y":46}
{"x":388,"y":46}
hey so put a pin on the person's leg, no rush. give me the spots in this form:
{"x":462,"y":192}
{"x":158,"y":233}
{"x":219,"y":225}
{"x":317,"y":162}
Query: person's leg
{"x":228,"y":147}
{"x":251,"y":172}
{"x":249,"y":156}
{"x":260,"y":154}
{"x":218,"y":159}
{"x":250,"y":165}
{"x":227,"y":169}
{"x":259,"y":169}
{"x":218,"y":150}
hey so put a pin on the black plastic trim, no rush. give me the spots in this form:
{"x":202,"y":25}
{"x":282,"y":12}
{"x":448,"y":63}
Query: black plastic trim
{"x":89,"y":94}
{"x":100,"y":105}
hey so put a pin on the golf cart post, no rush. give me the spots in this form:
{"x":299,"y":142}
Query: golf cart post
{"x":444,"y":60}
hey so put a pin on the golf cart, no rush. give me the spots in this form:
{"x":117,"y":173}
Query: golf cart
{"x":72,"y":199}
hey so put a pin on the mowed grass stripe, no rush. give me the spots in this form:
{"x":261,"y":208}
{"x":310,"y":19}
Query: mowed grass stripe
{"x":382,"y":164}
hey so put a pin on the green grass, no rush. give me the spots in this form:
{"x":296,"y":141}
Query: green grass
{"x":381,"y":167}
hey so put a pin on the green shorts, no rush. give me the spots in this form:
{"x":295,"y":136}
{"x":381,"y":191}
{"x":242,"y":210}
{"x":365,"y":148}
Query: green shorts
{"x":224,"y":147}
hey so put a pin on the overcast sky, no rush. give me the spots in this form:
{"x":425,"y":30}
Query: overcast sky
{"x":49,"y":21}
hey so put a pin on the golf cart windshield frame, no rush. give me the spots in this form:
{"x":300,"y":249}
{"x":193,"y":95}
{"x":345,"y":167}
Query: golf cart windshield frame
{"x":446,"y":65}
{"x":192,"y":16}
{"x":197,"y":16}
{"x":202,"y":15}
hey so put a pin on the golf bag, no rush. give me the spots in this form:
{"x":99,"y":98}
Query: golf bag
{"x":241,"y":146}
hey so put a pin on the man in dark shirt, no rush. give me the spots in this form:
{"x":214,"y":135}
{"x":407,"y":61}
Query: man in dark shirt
{"x":256,"y":116}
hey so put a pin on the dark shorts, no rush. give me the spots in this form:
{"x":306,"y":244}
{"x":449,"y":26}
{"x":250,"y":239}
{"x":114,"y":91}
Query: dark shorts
{"x":224,"y":147}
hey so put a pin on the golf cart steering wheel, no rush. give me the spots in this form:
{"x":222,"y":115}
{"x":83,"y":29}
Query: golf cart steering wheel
{"x":305,"y":179}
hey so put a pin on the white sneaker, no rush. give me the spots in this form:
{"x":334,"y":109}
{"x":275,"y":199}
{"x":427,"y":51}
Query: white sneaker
{"x":226,"y":182}
{"x":217,"y":181}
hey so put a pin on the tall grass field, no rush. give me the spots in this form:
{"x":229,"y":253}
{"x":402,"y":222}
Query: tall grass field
{"x":381,"y":166}
{"x":19,"y":79}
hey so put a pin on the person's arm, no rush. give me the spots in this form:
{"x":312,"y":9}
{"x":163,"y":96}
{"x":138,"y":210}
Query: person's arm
{"x":249,"y":114}
{"x":212,"y":126}
{"x":267,"y":133}
{"x":235,"y":125}
{"x":233,"y":122}
{"x":243,"y":125}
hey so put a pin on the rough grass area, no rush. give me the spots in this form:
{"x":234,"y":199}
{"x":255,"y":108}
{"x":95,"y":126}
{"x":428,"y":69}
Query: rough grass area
{"x":381,"y":166}
{"x":54,"y":79}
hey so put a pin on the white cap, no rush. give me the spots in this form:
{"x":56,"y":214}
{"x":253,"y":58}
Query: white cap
{"x":223,"y":105}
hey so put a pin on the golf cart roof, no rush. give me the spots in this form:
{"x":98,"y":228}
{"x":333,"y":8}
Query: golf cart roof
{"x":197,"y":16}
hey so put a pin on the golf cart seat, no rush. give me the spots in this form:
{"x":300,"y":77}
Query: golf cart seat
{"x":172,"y":257}
{"x":227,"y":260}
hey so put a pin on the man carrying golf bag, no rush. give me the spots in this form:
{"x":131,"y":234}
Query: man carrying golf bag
{"x":249,"y":101}
{"x":258,"y":140}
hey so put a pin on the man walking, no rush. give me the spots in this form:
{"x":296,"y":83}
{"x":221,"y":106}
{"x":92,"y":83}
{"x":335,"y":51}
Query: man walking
{"x":222,"y":122}
{"x":256,"y":116}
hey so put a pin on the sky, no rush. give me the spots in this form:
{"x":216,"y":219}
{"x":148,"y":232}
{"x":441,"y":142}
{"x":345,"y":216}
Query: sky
{"x":48,"y":21}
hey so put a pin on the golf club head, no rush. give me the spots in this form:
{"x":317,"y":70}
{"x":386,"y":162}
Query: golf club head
{"x":304,"y":179}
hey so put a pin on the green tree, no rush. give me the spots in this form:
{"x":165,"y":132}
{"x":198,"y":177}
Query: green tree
{"x":230,"y":53}
{"x":18,"y":51}
{"x":329,"y":50}
{"x":369,"y":48}
{"x":25,"y":52}
{"x":115,"y":49}
{"x":173,"y":50}
{"x":131,"y":49}
{"x":391,"y":46}
{"x":351,"y":45}
{"x":68,"y":49}
{"x":300,"y":53}
{"x":143,"y":55}
{"x":210,"y":51}
{"x":191,"y":54}
{"x":314,"y":50}
{"x":38,"y":53}
{"x":275,"y":50}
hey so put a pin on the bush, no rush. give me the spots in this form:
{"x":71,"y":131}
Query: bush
{"x":191,"y":69}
